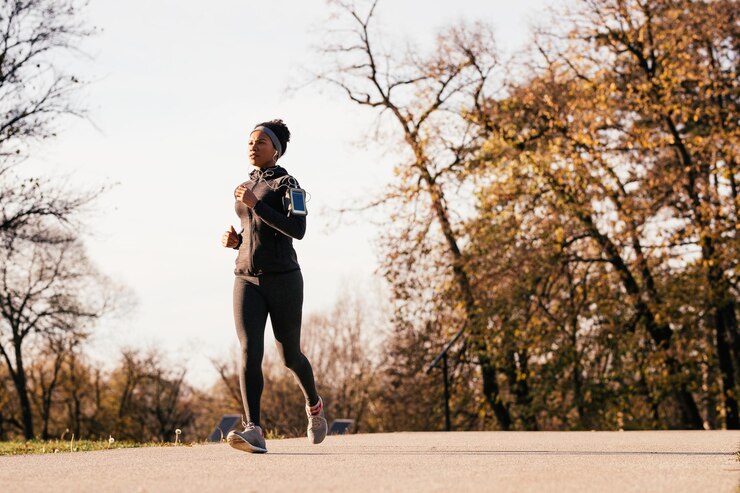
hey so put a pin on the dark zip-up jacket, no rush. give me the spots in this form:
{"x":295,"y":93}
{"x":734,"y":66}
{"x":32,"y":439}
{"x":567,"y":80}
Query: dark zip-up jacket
{"x":266,"y":240}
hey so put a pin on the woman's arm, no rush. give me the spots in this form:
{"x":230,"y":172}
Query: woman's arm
{"x":293,"y":226}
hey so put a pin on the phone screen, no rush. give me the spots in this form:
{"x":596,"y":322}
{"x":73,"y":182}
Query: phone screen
{"x":299,"y":202}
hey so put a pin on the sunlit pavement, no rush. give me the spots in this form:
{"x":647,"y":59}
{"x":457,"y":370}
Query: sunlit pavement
{"x":654,"y":461}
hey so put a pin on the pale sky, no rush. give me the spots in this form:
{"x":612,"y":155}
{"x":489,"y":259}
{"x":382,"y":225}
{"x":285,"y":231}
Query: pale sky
{"x":176,"y":87}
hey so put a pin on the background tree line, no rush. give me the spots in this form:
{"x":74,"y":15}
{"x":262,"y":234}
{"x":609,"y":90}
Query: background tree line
{"x":144,"y":396}
{"x":573,"y":209}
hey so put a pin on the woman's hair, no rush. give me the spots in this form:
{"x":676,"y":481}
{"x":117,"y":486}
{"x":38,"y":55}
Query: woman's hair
{"x":280,"y":129}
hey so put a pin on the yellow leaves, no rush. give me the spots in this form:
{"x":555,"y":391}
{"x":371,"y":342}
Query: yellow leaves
{"x":559,"y":235}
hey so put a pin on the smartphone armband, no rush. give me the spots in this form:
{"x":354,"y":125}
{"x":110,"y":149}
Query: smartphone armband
{"x":296,"y":199}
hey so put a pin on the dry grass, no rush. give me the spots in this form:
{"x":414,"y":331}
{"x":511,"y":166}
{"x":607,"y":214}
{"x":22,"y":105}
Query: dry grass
{"x":60,"y":446}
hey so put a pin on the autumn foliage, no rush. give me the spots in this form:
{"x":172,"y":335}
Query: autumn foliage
{"x":575,"y":209}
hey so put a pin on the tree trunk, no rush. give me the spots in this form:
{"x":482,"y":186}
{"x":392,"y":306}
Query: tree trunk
{"x":519,"y":384}
{"x":724,"y":319}
{"x":21,"y":386}
{"x":73,"y":402}
{"x":660,"y":333}
{"x":577,"y":377}
{"x":488,"y":369}
{"x":724,"y":327}
{"x":491,"y":391}
{"x":47,"y":392}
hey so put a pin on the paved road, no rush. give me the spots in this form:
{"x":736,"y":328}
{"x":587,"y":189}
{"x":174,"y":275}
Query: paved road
{"x":655,"y":461}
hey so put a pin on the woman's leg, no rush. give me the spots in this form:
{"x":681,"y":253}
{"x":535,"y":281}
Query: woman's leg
{"x":285,"y":302}
{"x":250,"y":316}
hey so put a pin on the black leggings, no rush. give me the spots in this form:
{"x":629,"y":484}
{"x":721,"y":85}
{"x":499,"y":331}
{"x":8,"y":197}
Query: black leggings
{"x":280,"y":296}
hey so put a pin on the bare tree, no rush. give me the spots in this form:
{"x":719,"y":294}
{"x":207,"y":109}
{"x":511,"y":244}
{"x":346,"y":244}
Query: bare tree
{"x":46,"y":374}
{"x":35,"y":91}
{"x":47,"y":293}
{"x":148,"y":398}
{"x":423,"y":97}
{"x":50,"y":293}
{"x":35,"y":210}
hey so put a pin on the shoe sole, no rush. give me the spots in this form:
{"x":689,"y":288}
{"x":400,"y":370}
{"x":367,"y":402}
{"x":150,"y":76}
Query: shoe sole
{"x":239,"y":443}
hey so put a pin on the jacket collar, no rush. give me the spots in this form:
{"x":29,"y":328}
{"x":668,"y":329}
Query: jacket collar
{"x":267,"y":173}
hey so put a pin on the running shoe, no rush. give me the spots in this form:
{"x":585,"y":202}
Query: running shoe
{"x":316,"y":422}
{"x":250,"y":440}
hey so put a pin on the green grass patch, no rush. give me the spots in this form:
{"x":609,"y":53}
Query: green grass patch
{"x":61,"y":446}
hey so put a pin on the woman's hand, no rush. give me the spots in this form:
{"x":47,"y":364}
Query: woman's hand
{"x":230,"y":238}
{"x":245,"y":195}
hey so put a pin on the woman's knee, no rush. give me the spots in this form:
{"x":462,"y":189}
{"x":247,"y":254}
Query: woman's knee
{"x":293,"y":359}
{"x":252,"y":356}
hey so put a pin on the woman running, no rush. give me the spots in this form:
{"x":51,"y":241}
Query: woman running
{"x":269,"y":281}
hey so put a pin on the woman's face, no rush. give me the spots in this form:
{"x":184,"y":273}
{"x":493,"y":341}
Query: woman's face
{"x":261,"y":151}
